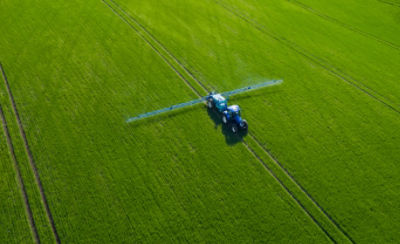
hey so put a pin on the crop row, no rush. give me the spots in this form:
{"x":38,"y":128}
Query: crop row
{"x":171,"y":178}
{"x":332,"y":138}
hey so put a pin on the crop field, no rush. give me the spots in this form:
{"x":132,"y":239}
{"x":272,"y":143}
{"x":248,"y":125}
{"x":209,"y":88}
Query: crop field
{"x":320,"y":162}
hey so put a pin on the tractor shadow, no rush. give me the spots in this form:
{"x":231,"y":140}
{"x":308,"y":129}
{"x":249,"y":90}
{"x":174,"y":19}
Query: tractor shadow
{"x":230,"y":137}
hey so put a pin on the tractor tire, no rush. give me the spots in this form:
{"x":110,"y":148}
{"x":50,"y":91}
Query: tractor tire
{"x":224,"y":119}
{"x":234,"y":128}
{"x":244,"y":125}
{"x":210,"y":104}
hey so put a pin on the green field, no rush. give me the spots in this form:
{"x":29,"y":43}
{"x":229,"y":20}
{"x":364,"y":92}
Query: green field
{"x":319,"y":163}
{"x":13,"y":219}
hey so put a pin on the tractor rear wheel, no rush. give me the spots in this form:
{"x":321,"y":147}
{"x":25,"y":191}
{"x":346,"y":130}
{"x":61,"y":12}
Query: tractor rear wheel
{"x":224,"y":119}
{"x":234,"y":128}
{"x":244,"y":125}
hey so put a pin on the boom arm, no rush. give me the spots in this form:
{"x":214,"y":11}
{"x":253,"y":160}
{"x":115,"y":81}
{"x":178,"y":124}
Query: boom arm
{"x":173,"y":107}
{"x":193,"y":102}
{"x":253,"y":87}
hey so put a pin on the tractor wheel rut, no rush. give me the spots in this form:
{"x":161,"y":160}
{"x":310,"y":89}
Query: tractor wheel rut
{"x":326,"y":66}
{"x":389,"y":3}
{"x":28,"y":209}
{"x":289,"y":175}
{"x":269,"y":170}
{"x":251,"y":150}
{"x":30,"y":156}
{"x":151,"y":45}
{"x":342,"y":24}
{"x":157,"y":42}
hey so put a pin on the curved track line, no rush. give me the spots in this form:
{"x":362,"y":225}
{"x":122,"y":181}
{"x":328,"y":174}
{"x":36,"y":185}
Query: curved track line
{"x":28,"y":209}
{"x":330,"y":68}
{"x":244,"y":143}
{"x":342,"y":24}
{"x":30,"y":157}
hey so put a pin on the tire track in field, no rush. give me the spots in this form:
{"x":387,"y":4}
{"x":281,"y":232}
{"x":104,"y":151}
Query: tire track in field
{"x":289,"y":175}
{"x":251,"y":150}
{"x":273,"y":175}
{"x":161,"y":45}
{"x":323,"y":64}
{"x":28,"y":209}
{"x":342,"y":24}
{"x":390,"y":3}
{"x":151,"y":45}
{"x":30,"y":157}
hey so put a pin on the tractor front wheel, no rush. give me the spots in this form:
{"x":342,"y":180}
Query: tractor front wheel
{"x":243,"y":125}
{"x":210,"y":104}
{"x":224,"y":119}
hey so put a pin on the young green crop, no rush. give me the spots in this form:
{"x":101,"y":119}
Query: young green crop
{"x":13,"y":219}
{"x":360,"y":59}
{"x":375,"y":18}
{"x":79,"y":73}
{"x":338,"y":142}
{"x":23,"y":169}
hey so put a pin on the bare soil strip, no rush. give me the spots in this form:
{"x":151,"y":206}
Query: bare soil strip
{"x":252,"y":151}
{"x":330,"y":68}
{"x":342,"y":24}
{"x":30,"y":157}
{"x":21,"y":184}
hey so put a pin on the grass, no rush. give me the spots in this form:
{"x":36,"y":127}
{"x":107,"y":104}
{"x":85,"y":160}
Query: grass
{"x":77,"y":71}
{"x":359,"y":58}
{"x":23,"y":166}
{"x":13,"y":219}
{"x":172,"y":178}
{"x":372,"y":17}
{"x":332,"y":137}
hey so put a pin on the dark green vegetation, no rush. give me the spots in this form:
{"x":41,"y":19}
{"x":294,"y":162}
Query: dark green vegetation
{"x":13,"y":219}
{"x":319,"y":163}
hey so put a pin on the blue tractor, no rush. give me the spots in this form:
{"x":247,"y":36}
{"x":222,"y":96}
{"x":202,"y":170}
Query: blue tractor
{"x":230,"y":114}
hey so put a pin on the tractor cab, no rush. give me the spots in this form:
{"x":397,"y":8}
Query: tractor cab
{"x":232,"y":114}
{"x":234,"y":111}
